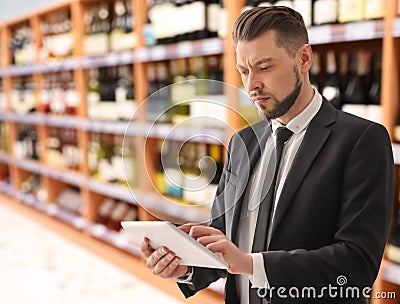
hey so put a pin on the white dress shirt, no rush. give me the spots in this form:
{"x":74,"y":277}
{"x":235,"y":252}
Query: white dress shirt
{"x":248,"y":219}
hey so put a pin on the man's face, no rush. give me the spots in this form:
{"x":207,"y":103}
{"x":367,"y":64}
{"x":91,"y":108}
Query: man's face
{"x":269,"y":75}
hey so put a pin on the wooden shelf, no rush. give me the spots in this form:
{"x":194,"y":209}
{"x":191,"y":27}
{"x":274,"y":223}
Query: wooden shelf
{"x":183,"y":49}
{"x":386,"y":32}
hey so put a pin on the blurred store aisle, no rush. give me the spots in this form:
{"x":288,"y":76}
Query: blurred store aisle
{"x":39,"y":266}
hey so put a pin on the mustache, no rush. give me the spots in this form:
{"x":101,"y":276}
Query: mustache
{"x":255,"y":94}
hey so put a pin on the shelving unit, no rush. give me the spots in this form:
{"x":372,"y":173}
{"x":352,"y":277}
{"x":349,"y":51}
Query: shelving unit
{"x":374,"y":34}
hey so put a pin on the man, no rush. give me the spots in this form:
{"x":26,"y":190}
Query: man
{"x":325,"y":210}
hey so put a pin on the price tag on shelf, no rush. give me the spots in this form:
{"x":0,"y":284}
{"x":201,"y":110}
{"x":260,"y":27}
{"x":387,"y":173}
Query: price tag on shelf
{"x":52,"y":209}
{"x":79,"y":222}
{"x":70,"y":63}
{"x":161,"y":130}
{"x":98,"y":230}
{"x":158,"y":53}
{"x":126,"y":57}
{"x":360,"y":31}
{"x":30,"y":200}
{"x":396,"y":27}
{"x":120,"y":241}
{"x":142,"y":54}
{"x":184,"y":49}
{"x":112,"y":59}
{"x":320,"y":34}
{"x":212,"y":46}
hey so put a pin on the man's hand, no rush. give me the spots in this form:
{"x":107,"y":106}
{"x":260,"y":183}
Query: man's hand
{"x":239,"y":261}
{"x":162,"y":261}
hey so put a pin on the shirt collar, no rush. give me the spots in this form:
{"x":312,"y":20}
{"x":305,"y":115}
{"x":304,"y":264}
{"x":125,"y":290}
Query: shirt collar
{"x":301,"y":121}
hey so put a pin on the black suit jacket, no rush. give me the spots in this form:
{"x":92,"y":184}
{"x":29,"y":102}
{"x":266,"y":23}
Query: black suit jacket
{"x":332,"y":217}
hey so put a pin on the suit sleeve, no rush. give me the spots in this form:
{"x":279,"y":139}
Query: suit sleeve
{"x":364,"y":219}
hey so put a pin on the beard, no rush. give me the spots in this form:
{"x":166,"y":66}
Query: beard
{"x":282,"y":106}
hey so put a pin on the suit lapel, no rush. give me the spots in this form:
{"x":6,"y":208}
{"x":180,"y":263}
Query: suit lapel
{"x":316,"y":135}
{"x":254,"y":142}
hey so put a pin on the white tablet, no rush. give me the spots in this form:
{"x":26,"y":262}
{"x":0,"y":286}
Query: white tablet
{"x":191,"y":252}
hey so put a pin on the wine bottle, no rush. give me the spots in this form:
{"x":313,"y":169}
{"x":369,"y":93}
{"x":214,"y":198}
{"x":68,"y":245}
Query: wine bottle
{"x":4,"y":133}
{"x":350,"y":10}
{"x":108,"y":78}
{"x":374,"y":9}
{"x":393,"y":247}
{"x":54,"y":156}
{"x":44,"y":96}
{"x":191,"y":173}
{"x":213,"y":16}
{"x":248,"y":5}
{"x":172,"y":172}
{"x":58,"y":36}
{"x":315,"y":71}
{"x":164,"y":92}
{"x":106,"y":171}
{"x":304,"y":7}
{"x":93,"y":94}
{"x":207,"y":167}
{"x":344,"y":73}
{"x":105,"y":210}
{"x":215,"y":74}
{"x":72,"y":98}
{"x":124,"y":93}
{"x":70,"y":199}
{"x":158,"y":101}
{"x":98,"y":27}
{"x":374,"y":109}
{"x":117,"y":215}
{"x":31,"y":185}
{"x":71,"y":152}
{"x":223,"y":20}
{"x":57,"y":103}
{"x":160,"y":180}
{"x":374,"y":93}
{"x":197,"y":14}
{"x":181,"y":91}
{"x":288,"y":3}
{"x":325,"y":12}
{"x":26,"y":145}
{"x":131,"y":215}
{"x":265,"y":3}
{"x":359,"y":84}
{"x":95,"y":154}
{"x":330,"y":86}
{"x":356,"y":93}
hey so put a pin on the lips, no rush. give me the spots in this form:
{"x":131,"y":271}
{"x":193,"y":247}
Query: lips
{"x":260,"y":100}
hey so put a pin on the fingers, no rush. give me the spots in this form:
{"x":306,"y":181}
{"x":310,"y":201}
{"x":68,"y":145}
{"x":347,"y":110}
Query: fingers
{"x":156,"y":256}
{"x":206,"y":240}
{"x":145,"y":247}
{"x":166,"y":267}
{"x":199,"y":231}
{"x":186,"y":227}
{"x":163,"y":262}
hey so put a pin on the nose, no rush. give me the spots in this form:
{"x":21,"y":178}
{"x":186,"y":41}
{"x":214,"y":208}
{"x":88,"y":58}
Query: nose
{"x":253,"y":83}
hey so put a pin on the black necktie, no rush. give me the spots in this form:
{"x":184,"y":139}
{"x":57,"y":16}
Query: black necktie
{"x":265,"y":209}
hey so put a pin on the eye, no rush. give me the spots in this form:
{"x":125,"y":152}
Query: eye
{"x":266,"y":68}
{"x":243,"y":72}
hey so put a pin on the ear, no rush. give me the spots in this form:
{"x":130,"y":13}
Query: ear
{"x":306,"y":58}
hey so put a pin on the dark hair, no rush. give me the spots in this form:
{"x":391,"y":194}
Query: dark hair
{"x":288,"y":25}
